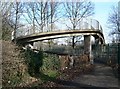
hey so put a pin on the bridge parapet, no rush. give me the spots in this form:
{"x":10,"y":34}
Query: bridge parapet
{"x":85,"y":24}
{"x":90,"y":24}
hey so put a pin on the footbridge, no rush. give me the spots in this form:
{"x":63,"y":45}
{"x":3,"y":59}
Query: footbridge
{"x":86,"y":28}
{"x":91,"y":27}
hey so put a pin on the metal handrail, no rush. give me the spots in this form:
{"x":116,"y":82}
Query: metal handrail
{"x":89,"y":24}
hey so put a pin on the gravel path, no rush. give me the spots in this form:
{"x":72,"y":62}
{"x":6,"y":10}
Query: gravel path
{"x":101,"y":77}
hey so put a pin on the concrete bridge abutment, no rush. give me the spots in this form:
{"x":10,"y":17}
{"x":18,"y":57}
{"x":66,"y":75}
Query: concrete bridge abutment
{"x":88,"y":48}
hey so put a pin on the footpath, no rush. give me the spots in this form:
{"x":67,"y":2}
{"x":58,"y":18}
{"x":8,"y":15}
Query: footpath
{"x":102,"y":77}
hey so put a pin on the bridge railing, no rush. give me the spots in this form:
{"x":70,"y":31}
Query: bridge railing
{"x":85,"y":24}
{"x":90,"y":24}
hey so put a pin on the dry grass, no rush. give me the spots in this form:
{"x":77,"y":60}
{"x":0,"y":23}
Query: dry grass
{"x":14,"y":68}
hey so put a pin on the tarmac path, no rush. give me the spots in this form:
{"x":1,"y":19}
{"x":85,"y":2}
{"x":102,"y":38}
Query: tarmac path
{"x":101,"y":78}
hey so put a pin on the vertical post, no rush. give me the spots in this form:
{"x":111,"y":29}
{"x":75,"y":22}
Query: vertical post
{"x":108,"y":51}
{"x":16,"y":19}
{"x":119,"y":16}
{"x":1,"y":63}
{"x":119,"y":40}
{"x":118,"y":54}
{"x":88,"y":47}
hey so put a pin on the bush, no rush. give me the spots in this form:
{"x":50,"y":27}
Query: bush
{"x":34,"y":61}
{"x":50,"y":62}
{"x":42,"y":63}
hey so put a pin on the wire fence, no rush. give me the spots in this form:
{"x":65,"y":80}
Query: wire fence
{"x":103,"y":53}
{"x":107,"y":53}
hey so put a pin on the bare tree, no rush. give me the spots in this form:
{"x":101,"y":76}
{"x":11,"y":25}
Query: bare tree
{"x":37,"y":13}
{"x":30,"y":15}
{"x":5,"y":14}
{"x":54,"y":12}
{"x":42,"y":14}
{"x":15,"y":15}
{"x":76,"y":11}
{"x":11,"y":12}
{"x":114,"y":23}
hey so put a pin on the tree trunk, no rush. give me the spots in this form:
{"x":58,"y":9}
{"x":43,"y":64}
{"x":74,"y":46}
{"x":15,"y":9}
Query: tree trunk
{"x":73,"y":42}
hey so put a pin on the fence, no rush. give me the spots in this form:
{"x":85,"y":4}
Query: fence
{"x":103,"y":53}
{"x":107,"y":53}
{"x":60,"y":49}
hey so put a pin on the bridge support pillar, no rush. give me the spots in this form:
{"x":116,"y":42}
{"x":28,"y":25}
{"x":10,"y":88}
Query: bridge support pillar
{"x":88,"y":47}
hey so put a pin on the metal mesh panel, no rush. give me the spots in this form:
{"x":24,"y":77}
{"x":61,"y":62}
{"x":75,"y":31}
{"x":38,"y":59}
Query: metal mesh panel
{"x":85,"y":24}
{"x":108,"y":52}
